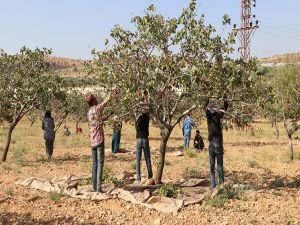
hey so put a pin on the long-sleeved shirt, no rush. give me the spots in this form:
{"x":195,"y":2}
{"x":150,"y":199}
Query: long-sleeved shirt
{"x":214,"y":122}
{"x":188,"y":124}
{"x":142,"y":126}
{"x":96,"y":124}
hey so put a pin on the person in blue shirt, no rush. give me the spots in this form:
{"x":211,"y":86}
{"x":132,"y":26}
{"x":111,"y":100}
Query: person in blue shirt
{"x":187,"y":126}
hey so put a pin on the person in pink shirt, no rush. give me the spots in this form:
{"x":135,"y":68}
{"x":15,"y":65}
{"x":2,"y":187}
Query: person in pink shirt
{"x":95,"y":119}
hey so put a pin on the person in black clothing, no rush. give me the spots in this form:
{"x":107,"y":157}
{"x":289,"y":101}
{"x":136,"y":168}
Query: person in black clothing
{"x":142,"y":143}
{"x":214,"y":114}
{"x":198,"y":141}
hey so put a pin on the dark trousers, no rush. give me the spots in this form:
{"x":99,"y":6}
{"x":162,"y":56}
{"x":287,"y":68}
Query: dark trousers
{"x":49,"y":147}
{"x":143,"y":144}
{"x":216,"y":153}
{"x":115,"y":145}
{"x":97,"y":168}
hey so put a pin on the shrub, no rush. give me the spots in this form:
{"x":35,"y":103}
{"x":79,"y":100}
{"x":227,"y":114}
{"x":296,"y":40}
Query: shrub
{"x":190,"y":153}
{"x":296,"y":182}
{"x":225,"y":193}
{"x":169,"y":190}
{"x":9,"y":192}
{"x":18,"y":156}
{"x":253,"y":164}
{"x":86,"y":181}
{"x":189,"y":173}
{"x":278,"y":182}
{"x":56,"y":196}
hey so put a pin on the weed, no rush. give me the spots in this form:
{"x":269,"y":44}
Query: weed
{"x":169,"y":190}
{"x":225,"y":193}
{"x":189,"y":173}
{"x":267,"y":170}
{"x":85,"y":181}
{"x":9,"y":191}
{"x":114,"y":180}
{"x":107,"y":178}
{"x":18,"y":155}
{"x":56,"y":196}
{"x":132,"y":165}
{"x":277,"y":193}
{"x":296,"y":182}
{"x":253,"y":164}
{"x":190,"y":153}
{"x":278,"y":182}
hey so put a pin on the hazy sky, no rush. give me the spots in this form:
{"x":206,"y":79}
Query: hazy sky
{"x":73,"y":27}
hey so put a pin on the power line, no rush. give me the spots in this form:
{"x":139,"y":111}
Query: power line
{"x":279,"y":27}
{"x":279,"y":35}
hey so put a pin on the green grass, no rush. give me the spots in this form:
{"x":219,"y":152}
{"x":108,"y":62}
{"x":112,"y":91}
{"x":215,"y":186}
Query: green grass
{"x":169,"y":190}
{"x":56,"y":196}
{"x":19,"y":156}
{"x":190,"y":153}
{"x":225,"y":193}
{"x":278,"y":181}
{"x":9,"y":192}
{"x":253,"y":164}
{"x":192,"y":172}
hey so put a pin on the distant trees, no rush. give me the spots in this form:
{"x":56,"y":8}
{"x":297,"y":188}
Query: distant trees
{"x":283,"y":103}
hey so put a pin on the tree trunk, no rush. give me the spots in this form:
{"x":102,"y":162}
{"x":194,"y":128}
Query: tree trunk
{"x":8,"y":140}
{"x":290,"y":140}
{"x":291,"y":147}
{"x":162,"y":151}
{"x":276,"y":128}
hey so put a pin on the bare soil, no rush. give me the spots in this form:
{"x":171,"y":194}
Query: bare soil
{"x":255,"y":157}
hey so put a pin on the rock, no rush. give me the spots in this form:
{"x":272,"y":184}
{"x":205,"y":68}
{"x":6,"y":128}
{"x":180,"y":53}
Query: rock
{"x":33,"y":199}
{"x":125,"y":175}
{"x":178,"y":153}
{"x":156,"y":222}
{"x":195,"y":182}
{"x":149,"y":182}
{"x":214,"y":193}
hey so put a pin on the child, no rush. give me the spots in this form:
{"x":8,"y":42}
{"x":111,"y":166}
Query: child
{"x":198,"y":141}
{"x":66,"y":131}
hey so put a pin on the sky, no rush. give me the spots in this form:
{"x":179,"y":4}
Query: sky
{"x":72,"y":28}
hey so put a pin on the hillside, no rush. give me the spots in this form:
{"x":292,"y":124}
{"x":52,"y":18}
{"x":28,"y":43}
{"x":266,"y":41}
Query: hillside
{"x":66,"y":66}
{"x":282,"y":58}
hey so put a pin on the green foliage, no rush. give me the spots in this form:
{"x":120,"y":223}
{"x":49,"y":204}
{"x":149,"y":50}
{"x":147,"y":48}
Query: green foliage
{"x":18,"y":156}
{"x":56,"y":196}
{"x":109,"y":179}
{"x":253,"y":164}
{"x":278,"y":181}
{"x":168,"y":66}
{"x":86,"y":181}
{"x":25,"y":85}
{"x":169,"y":190}
{"x":189,"y":173}
{"x":9,"y":192}
{"x":225,"y":192}
{"x":296,"y":182}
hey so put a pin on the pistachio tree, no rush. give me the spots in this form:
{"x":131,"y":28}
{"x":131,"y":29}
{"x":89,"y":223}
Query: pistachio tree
{"x":170,"y":66}
{"x":285,"y":84}
{"x":24,"y":86}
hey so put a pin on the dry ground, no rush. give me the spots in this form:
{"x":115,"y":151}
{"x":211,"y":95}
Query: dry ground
{"x":255,"y":157}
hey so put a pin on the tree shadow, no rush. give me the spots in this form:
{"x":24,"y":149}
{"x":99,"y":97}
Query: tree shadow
{"x":12,"y":218}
